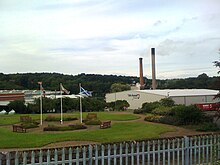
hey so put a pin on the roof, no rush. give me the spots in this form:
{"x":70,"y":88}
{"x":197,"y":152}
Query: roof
{"x":182,"y":92}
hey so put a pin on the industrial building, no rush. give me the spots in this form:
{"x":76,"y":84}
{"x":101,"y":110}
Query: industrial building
{"x":180,"y":96}
{"x":6,"y":97}
{"x":136,"y":98}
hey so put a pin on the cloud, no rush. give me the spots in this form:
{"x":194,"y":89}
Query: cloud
{"x":109,"y":36}
{"x":158,"y":23}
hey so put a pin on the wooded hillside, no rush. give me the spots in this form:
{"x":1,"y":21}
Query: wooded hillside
{"x":99,"y":84}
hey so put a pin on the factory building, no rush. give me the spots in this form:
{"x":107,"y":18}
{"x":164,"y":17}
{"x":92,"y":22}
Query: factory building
{"x":136,"y":98}
{"x":180,"y":96}
{"x":6,"y":97}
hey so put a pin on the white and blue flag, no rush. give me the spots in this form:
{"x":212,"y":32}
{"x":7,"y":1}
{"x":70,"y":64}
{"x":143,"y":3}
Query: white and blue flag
{"x":85,"y":93}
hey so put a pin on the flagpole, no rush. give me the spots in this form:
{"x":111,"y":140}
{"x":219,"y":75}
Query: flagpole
{"x":61,"y":106}
{"x":80,"y":104}
{"x":41,"y":107}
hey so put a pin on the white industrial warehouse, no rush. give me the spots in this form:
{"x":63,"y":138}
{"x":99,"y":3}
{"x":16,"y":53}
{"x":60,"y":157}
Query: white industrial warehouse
{"x":180,"y":96}
{"x":136,"y":98}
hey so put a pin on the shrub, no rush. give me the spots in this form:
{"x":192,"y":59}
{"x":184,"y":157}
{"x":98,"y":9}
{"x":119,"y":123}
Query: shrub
{"x":118,"y":105}
{"x":207,"y":118}
{"x":28,"y":125}
{"x":77,"y":126}
{"x":162,"y":110}
{"x":64,"y":128}
{"x":167,"y":102}
{"x":138,"y":111}
{"x":148,"y":107}
{"x":55,"y":118}
{"x":168,"y":120}
{"x":187,"y":114}
{"x":152,"y":118}
{"x":92,"y":122}
{"x":208,"y":126}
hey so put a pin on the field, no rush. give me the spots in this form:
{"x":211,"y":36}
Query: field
{"x":124,"y":127}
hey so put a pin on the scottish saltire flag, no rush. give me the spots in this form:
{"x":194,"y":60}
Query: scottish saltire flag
{"x":63,"y":89}
{"x":85,"y":93}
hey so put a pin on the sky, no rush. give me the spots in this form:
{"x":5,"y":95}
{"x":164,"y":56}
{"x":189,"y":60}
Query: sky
{"x":109,"y":37}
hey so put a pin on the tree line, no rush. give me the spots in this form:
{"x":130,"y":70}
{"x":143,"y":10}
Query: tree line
{"x":89,"y":104}
{"x":99,"y":84}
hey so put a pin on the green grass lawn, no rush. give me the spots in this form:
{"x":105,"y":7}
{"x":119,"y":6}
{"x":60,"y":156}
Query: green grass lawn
{"x":13,"y":119}
{"x":118,"y":132}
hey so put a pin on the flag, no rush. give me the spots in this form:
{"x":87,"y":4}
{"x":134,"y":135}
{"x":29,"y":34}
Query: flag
{"x":41,"y":88}
{"x":63,"y":89}
{"x":84,"y":92}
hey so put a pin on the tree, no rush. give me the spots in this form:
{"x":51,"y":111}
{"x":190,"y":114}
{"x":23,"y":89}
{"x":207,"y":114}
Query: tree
{"x":118,"y":87}
{"x":217,"y":64}
{"x":119,"y":105}
{"x":18,"y":106}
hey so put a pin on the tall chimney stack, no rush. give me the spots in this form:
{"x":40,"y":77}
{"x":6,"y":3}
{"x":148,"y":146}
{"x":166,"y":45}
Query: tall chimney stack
{"x":141,"y":74}
{"x":154,"y":83}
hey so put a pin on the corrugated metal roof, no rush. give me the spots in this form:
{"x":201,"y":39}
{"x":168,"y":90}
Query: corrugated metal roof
{"x":181,"y":92}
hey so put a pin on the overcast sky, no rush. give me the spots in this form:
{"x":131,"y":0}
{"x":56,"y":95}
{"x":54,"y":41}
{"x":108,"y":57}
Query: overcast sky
{"x":109,"y":36}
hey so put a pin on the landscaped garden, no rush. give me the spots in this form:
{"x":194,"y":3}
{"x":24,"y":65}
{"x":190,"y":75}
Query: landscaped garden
{"x":166,"y":112}
{"x":124,"y":127}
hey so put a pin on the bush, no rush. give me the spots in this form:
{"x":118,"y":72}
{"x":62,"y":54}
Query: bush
{"x":138,"y":111}
{"x":167,"y":102}
{"x":92,"y":122}
{"x":187,"y":114}
{"x":18,"y":105}
{"x":28,"y":125}
{"x":77,"y":126}
{"x":152,"y":118}
{"x":168,"y":120}
{"x":208,"y":126}
{"x":162,"y":110}
{"x":207,"y":118}
{"x":118,"y":105}
{"x":148,"y":107}
{"x":55,"y":118}
{"x":64,"y":128}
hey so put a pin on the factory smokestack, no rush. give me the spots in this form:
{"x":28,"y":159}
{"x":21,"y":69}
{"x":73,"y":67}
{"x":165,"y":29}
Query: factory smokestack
{"x":154,"y":83}
{"x":141,"y":74}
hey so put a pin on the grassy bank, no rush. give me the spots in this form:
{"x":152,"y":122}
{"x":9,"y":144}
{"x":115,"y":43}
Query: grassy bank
{"x":118,"y":132}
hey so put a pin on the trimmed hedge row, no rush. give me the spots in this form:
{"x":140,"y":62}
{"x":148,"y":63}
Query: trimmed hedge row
{"x":64,"y":128}
{"x":31,"y":124}
{"x":55,"y":118}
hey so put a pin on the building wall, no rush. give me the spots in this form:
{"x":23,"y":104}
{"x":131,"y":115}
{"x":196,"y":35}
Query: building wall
{"x":137,"y":98}
{"x":188,"y":100}
{"x":134,"y":98}
{"x":5,"y":98}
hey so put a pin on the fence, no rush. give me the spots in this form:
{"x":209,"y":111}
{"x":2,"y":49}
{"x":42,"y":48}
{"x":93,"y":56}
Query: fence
{"x":194,"y":150}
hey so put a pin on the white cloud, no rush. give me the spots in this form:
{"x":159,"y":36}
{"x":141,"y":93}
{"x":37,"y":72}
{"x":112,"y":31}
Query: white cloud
{"x":108,"y":37}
